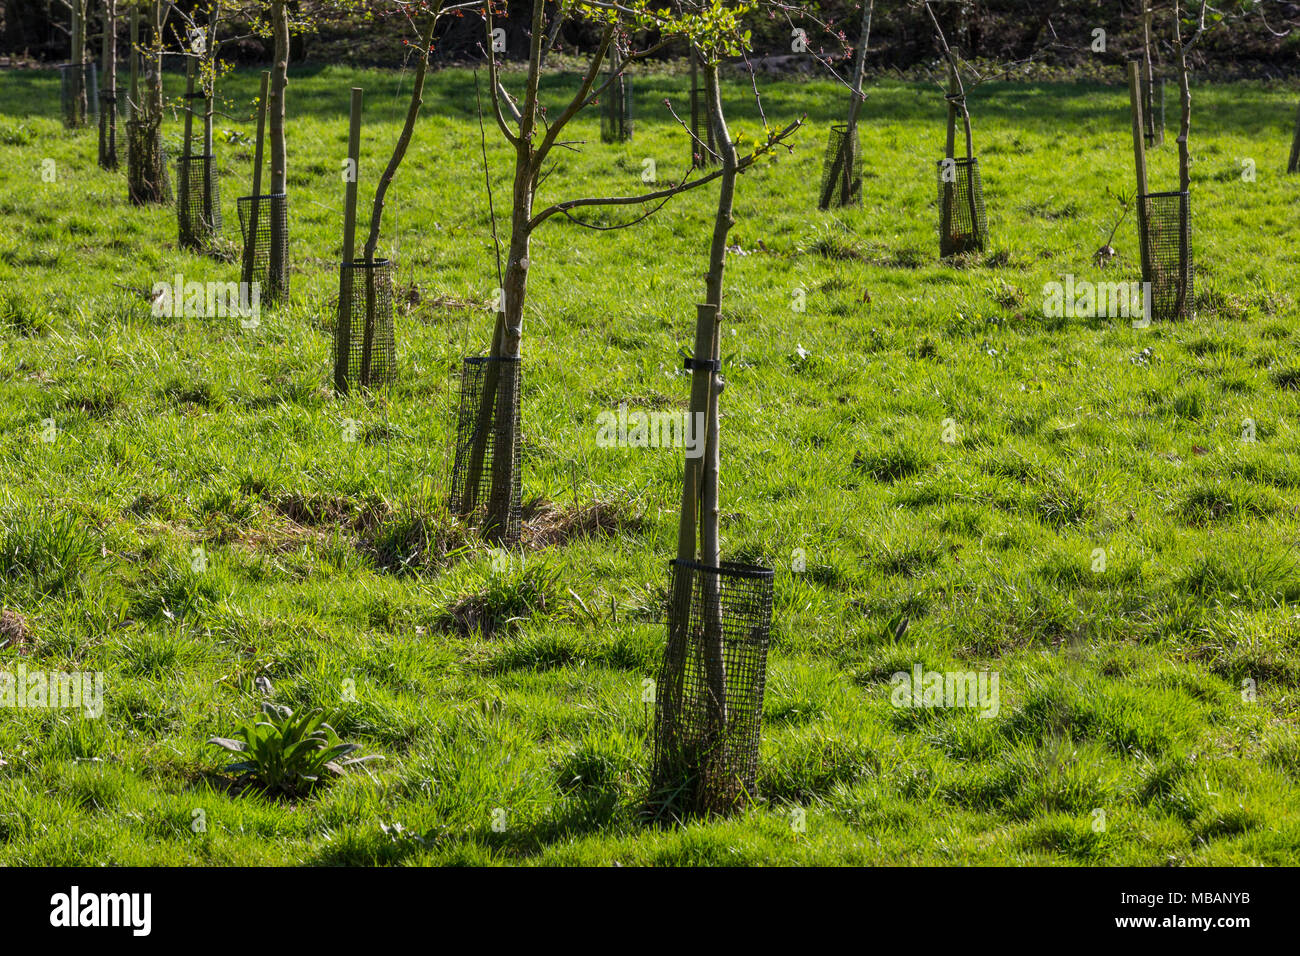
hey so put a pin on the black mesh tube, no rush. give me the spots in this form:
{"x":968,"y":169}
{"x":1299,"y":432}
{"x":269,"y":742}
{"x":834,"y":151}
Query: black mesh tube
{"x":258,"y":217}
{"x":963,"y":226}
{"x":108,"y":129}
{"x":1153,"y":110}
{"x":78,"y":85}
{"x":841,"y":170}
{"x":363,"y":340}
{"x":198,"y":201}
{"x":704,"y":149}
{"x":488,"y":386}
{"x":146,"y":162}
{"x":709,"y":698}
{"x":1165,"y":240}
{"x":616,"y":117}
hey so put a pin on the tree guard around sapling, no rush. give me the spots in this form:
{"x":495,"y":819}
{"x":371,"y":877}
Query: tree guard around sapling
{"x":616,"y":119}
{"x":477,"y":447}
{"x":963,"y":224}
{"x":79,"y":89}
{"x":198,"y":201}
{"x":367,"y":314}
{"x":147,"y":179}
{"x":1153,"y":111}
{"x":704,"y":149}
{"x":841,"y":169}
{"x":707,"y":736}
{"x":108,"y":128}
{"x":264,"y":213}
{"x":1164,"y":231}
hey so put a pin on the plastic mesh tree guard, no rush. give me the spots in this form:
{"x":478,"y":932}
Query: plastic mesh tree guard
{"x":963,"y":226}
{"x":487,"y":385}
{"x":841,"y":170}
{"x":198,"y":201}
{"x":146,"y":163}
{"x":616,"y":118}
{"x":108,"y":129}
{"x":1165,"y":240}
{"x":1153,"y":111}
{"x":709,"y":698}
{"x":702,"y":129}
{"x":262,"y":218}
{"x":364,"y":350}
{"x":80,"y":93}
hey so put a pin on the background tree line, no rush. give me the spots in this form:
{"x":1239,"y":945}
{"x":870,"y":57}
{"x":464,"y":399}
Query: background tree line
{"x":1261,"y":41}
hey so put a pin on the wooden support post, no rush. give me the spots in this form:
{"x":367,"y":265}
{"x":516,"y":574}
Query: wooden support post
{"x":1139,"y":144}
{"x":108,"y":97}
{"x":250,"y":242}
{"x":133,"y":99}
{"x":949,"y":153}
{"x":188,"y":149}
{"x":1139,"y":161}
{"x":343,"y":334}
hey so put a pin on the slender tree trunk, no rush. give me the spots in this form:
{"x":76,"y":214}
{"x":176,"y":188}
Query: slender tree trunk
{"x":279,"y":266}
{"x":108,"y":106}
{"x":347,"y":272}
{"x":1154,"y":134}
{"x":153,"y":76}
{"x":950,"y":152}
{"x":710,"y":548}
{"x":508,"y":334}
{"x":1184,"y":167}
{"x":133,"y":95}
{"x":848,"y":162}
{"x":77,"y":61}
{"x":1293,"y":164}
{"x":209,"y":96}
{"x":147,"y":174}
{"x":1139,"y":164}
{"x":254,"y":209}
{"x":386,"y":180}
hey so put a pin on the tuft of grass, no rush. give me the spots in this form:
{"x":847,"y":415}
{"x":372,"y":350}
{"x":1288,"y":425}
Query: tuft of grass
{"x":898,"y":461}
{"x":42,"y":550}
{"x":504,"y":598}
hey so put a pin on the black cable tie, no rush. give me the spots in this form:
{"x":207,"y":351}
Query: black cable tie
{"x":691,"y":364}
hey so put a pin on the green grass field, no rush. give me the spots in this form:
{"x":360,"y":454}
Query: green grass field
{"x":329,"y":566}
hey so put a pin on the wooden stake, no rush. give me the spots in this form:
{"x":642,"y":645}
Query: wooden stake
{"x":950,"y":150}
{"x":343,"y":334}
{"x":78,"y":63}
{"x":188,"y":151}
{"x":1140,"y":164}
{"x":1139,"y":143}
{"x":949,"y":153}
{"x":250,"y":243}
{"x":134,"y":99}
{"x":108,"y":105}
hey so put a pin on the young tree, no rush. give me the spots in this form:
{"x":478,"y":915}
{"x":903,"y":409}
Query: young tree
{"x":1181,"y":49}
{"x":76,"y":92}
{"x":279,"y":266}
{"x":199,"y":47}
{"x":950,"y":240}
{"x":1155,"y":130}
{"x":533,"y":132}
{"x":343,"y":332}
{"x":147,"y":170}
{"x":840,"y":188}
{"x":712,"y":36}
{"x":108,"y":104}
